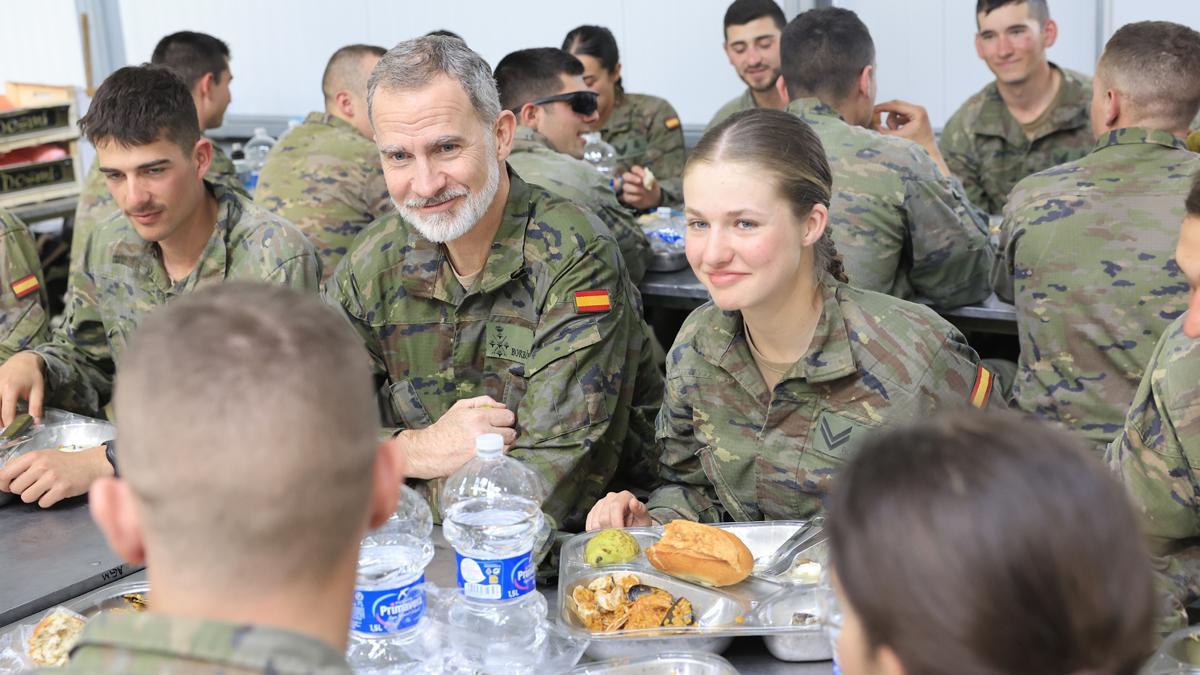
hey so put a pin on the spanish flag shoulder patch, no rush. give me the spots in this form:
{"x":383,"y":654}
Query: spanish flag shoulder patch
{"x":592,"y":301}
{"x":25,"y":285}
{"x":982,"y":390}
{"x":671,"y":122}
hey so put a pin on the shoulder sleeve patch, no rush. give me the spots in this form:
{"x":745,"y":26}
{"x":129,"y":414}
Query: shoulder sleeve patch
{"x":982,"y":390}
{"x":671,"y":123}
{"x":592,"y":301}
{"x":25,"y":285}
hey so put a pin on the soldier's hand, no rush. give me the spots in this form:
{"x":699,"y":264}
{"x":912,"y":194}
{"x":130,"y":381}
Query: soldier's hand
{"x":911,"y":121}
{"x":635,"y":192}
{"x":51,"y":475}
{"x":21,"y":379}
{"x":439,"y":449}
{"x":618,"y":509}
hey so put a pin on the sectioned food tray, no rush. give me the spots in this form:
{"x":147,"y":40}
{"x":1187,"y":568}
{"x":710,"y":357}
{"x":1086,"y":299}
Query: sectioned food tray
{"x":124,"y":596}
{"x":758,"y":605}
{"x":675,"y":663}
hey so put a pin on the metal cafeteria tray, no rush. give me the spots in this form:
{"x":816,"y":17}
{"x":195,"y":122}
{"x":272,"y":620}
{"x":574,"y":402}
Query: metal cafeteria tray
{"x":757,"y":605}
{"x":667,"y":260}
{"x":1179,"y":654}
{"x":675,"y":663}
{"x":109,"y":597}
{"x":75,"y":431}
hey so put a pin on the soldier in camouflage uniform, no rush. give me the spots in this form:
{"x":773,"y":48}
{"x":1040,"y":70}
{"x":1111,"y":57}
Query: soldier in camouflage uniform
{"x":1086,"y":247}
{"x":325,"y":176}
{"x":752,"y":44}
{"x":202,"y":61}
{"x":531,"y":74}
{"x":23,"y":320}
{"x":644,"y":130}
{"x":176,"y":233}
{"x":756,"y":422}
{"x":241,"y":358}
{"x":1033,"y":116}
{"x":532,"y":324}
{"x":905,"y":226}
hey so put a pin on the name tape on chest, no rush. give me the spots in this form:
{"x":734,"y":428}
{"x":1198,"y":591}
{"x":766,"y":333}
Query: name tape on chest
{"x":592,"y":301}
{"x":25,"y":285}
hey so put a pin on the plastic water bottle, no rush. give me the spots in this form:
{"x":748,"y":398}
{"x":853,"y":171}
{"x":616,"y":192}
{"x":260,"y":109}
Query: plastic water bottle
{"x":493,"y":519}
{"x":664,"y":229}
{"x":388,"y":629}
{"x":256,"y":154}
{"x":600,"y":154}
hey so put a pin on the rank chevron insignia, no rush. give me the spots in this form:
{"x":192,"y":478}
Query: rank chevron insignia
{"x":834,"y":441}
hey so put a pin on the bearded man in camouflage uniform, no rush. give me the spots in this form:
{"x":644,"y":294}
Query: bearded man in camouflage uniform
{"x":1087,"y":246}
{"x":324,"y":176}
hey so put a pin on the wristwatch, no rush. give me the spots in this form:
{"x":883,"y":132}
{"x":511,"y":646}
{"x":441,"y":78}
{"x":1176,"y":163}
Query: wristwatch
{"x":110,"y":453}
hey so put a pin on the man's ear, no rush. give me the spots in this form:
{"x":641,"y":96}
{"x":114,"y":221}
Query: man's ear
{"x":529,"y":115}
{"x":505,"y":129}
{"x":781,"y":88}
{"x":387,"y":477}
{"x":864,"y":81}
{"x":345,"y":103}
{"x":202,"y":154}
{"x":1049,"y":33}
{"x":204,"y":85}
{"x":114,"y":511}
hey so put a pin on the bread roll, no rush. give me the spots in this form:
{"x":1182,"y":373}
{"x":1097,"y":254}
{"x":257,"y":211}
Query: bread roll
{"x":701,"y":554}
{"x":54,"y":636}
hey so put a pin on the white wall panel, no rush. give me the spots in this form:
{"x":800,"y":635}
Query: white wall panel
{"x":39,"y":42}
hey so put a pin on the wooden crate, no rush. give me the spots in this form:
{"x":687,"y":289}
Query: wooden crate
{"x":44,"y":114}
{"x":42,"y":181}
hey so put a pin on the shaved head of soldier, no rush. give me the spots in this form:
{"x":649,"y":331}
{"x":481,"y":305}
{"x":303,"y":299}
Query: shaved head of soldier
{"x":249,"y":453}
{"x":1148,"y":76}
{"x":344,"y":84}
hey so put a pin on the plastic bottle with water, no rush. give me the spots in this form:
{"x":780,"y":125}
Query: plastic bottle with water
{"x":492,"y":517}
{"x":256,"y":154}
{"x":598,"y":153}
{"x":388,"y":630}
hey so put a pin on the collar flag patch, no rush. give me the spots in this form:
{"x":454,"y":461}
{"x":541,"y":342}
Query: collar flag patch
{"x":983,"y":387}
{"x":592,"y":301}
{"x":25,"y":285}
{"x":671,"y":123}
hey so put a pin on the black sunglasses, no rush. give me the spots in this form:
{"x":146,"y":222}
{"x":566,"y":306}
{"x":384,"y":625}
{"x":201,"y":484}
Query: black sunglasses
{"x":582,"y":102}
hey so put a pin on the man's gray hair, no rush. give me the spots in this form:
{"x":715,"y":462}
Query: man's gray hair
{"x":415,"y":63}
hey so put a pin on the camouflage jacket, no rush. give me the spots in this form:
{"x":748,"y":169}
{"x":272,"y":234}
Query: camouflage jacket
{"x":732,"y":450}
{"x":987,"y":149}
{"x":1087,"y":257}
{"x":96,"y":203}
{"x":903,"y":228}
{"x":551,"y":327}
{"x":327,"y":180}
{"x":646,"y":131}
{"x":1157,"y":457}
{"x":744,"y":101}
{"x":123,"y":278}
{"x":149,"y":643}
{"x":24,"y":322}
{"x":575,"y":180}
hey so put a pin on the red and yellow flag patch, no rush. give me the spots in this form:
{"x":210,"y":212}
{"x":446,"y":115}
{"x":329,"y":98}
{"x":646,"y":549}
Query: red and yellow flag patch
{"x":982,"y":390}
{"x":25,"y":285}
{"x":592,"y":301}
{"x":671,"y":123}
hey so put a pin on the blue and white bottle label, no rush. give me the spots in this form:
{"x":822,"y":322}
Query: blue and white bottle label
{"x":388,"y":610}
{"x":503,"y":579}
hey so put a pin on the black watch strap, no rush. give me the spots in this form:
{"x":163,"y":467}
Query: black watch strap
{"x":110,"y":452}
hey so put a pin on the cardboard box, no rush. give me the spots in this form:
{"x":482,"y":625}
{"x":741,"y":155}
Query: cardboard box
{"x":43,"y":114}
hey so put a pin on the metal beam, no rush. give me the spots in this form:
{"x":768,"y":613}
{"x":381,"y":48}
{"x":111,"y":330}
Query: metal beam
{"x":105,"y":39}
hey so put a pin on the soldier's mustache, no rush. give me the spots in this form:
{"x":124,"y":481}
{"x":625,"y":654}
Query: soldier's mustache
{"x":146,"y":209}
{"x":440,"y":198}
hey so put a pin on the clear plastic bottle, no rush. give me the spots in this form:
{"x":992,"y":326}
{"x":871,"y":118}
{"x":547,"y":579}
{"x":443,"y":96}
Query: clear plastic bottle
{"x":493,"y":519}
{"x":256,"y":153}
{"x":388,"y":630}
{"x":598,"y":153}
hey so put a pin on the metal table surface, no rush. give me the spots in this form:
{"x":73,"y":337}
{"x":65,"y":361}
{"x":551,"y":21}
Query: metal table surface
{"x":682,"y":290}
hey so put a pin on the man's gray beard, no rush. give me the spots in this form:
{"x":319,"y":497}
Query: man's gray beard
{"x":450,"y":225}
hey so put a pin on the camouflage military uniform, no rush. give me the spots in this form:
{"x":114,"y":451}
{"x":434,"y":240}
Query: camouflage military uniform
{"x":903,"y":228}
{"x":1087,"y":255}
{"x":646,"y":131}
{"x":732,"y":450}
{"x":987,"y":149}
{"x":23,"y":319}
{"x":96,"y":203}
{"x":577,"y":380}
{"x":744,"y":101}
{"x":150,"y":643}
{"x":1157,"y":457}
{"x":564,"y":176}
{"x":123,"y":278}
{"x":326,"y":179}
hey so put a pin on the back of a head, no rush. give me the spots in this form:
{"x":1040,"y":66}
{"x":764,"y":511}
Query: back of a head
{"x":1156,"y":64}
{"x":530,"y":74}
{"x":248,"y":435}
{"x":442,"y":32}
{"x":192,"y":56}
{"x":742,"y":12}
{"x":345,"y":70}
{"x":992,"y":544}
{"x":823,"y":51}
{"x":1038,"y":10}
{"x":416,"y":63}
{"x":138,"y":105}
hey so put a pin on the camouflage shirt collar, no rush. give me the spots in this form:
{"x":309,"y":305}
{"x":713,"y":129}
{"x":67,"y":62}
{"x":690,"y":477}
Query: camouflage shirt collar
{"x":527,"y":139}
{"x":239,"y":646}
{"x":330,"y":121}
{"x":829,"y":356}
{"x":214,"y":259}
{"x":809,"y":108}
{"x":1136,"y":135}
{"x":1070,"y":112}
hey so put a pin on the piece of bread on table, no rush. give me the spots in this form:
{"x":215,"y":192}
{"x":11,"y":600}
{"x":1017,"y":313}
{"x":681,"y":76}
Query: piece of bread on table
{"x":54,"y":636}
{"x":701,"y":553}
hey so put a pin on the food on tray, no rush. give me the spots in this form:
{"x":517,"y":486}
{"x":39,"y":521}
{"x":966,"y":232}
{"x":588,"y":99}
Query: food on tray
{"x":701,"y":554}
{"x":621,"y":602}
{"x":805,"y":571}
{"x":134,"y":602}
{"x":54,"y":636}
{"x":805,"y":619}
{"x":611,"y":547}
